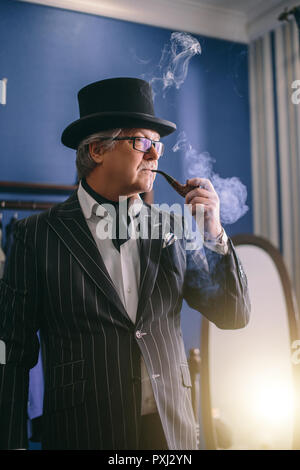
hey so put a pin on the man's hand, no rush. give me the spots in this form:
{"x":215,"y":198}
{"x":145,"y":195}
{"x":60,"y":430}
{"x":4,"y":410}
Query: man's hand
{"x":206,"y":195}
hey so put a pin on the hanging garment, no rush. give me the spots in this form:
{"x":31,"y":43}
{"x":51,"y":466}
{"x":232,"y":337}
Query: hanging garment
{"x":35,"y":399}
{"x":9,"y":230}
{"x":36,"y":377}
{"x":9,"y":234}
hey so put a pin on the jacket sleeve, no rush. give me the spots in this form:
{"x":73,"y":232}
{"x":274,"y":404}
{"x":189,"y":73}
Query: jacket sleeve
{"x":18,"y":333}
{"x":216,"y":286}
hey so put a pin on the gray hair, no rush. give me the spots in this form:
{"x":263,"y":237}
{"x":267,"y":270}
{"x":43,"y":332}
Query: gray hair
{"x":84,"y":162}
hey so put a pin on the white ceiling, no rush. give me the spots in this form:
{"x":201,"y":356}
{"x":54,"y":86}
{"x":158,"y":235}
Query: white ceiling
{"x":242,"y":6}
{"x":236,"y":20}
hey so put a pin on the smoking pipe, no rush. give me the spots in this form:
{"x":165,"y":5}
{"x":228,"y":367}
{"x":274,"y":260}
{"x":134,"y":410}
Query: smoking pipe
{"x":182,"y":189}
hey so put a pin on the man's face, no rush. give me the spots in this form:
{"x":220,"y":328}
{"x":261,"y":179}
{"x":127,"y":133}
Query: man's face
{"x":128,"y":169}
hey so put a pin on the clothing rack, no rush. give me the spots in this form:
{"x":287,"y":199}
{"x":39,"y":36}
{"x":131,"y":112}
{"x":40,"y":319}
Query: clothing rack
{"x":26,"y":205}
{"x":36,"y":188}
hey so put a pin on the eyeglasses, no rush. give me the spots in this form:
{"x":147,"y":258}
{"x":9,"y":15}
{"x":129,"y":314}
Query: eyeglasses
{"x":143,"y":144}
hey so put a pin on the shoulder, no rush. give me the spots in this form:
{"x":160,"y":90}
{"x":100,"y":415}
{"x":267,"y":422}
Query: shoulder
{"x":32,"y":226}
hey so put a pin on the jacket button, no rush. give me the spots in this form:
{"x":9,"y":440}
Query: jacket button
{"x":155,"y":376}
{"x":139,"y":334}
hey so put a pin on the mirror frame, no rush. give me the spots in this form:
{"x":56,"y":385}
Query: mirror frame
{"x":207,"y":427}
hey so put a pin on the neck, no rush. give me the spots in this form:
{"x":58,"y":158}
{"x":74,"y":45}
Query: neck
{"x":101,"y":197}
{"x":104,"y":190}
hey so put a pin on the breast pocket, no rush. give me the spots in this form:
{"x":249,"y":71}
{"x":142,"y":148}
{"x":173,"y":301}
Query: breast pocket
{"x":67,"y":386}
{"x":173,"y":259}
{"x":67,"y":373}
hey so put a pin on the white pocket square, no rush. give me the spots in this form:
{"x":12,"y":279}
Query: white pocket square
{"x":169,"y":239}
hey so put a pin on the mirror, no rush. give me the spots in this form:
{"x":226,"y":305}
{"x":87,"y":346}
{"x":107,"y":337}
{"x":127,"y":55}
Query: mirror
{"x":250,"y":377}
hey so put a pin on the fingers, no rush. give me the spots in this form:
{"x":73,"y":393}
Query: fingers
{"x":209,"y":206}
{"x":204,"y":189}
{"x":205,"y":198}
{"x":197,"y":192}
{"x":204,"y":182}
{"x":199,"y":200}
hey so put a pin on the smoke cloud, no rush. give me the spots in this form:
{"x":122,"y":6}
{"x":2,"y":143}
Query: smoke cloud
{"x":173,"y":65}
{"x":231,"y":191}
{"x":171,"y":72}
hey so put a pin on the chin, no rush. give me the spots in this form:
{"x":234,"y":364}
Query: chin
{"x":144,"y":187}
{"x":147,"y":188}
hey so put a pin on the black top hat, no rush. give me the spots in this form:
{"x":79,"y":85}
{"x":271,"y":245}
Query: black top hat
{"x":116,"y":102}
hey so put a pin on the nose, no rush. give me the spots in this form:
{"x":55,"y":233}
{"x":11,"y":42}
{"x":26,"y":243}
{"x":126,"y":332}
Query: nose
{"x":152,"y":154}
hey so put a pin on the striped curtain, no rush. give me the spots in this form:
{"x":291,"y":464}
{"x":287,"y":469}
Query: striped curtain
{"x":274,"y":64}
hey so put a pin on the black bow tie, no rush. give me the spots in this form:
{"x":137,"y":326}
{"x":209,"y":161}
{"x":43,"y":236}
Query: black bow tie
{"x":119,"y":225}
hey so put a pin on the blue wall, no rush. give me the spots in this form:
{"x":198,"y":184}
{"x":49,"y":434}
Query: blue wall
{"x":48,"y":54}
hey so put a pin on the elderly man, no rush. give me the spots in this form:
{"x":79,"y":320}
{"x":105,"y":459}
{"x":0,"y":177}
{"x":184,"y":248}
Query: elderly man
{"x":108,"y":308}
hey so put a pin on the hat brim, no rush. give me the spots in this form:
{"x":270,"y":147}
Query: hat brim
{"x":82,"y":128}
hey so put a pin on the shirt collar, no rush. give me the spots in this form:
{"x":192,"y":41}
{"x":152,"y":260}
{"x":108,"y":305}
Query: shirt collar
{"x":87,"y":202}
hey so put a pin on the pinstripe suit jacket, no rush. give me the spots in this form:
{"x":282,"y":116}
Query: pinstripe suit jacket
{"x":56,"y":282}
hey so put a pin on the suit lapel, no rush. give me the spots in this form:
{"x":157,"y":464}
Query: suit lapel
{"x":150,"y":251}
{"x":68,"y":222}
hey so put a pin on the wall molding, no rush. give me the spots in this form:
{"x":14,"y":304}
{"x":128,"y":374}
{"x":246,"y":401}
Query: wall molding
{"x":183,"y":15}
{"x":180,"y":15}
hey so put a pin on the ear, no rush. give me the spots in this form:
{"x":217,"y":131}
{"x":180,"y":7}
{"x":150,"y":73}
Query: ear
{"x":95,"y":152}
